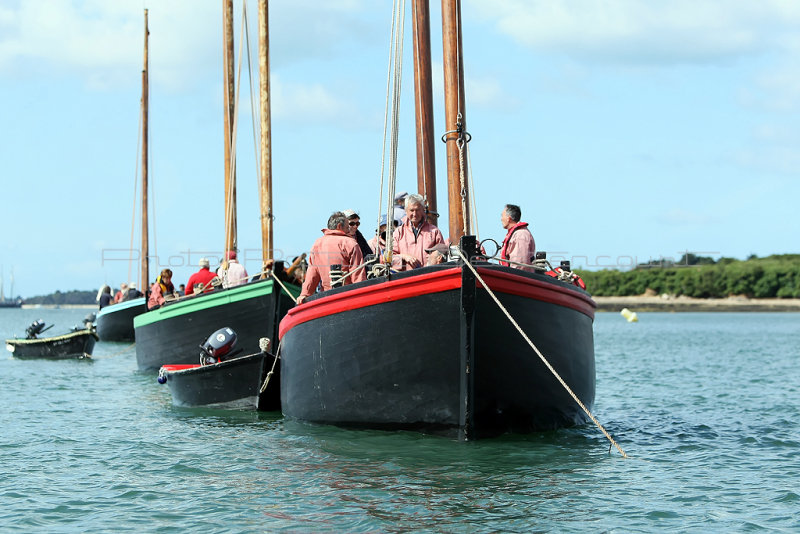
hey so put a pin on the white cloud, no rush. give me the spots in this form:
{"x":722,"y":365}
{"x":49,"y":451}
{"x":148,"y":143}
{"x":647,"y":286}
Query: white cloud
{"x":310,"y":103}
{"x":101,"y":41}
{"x":638,"y":32}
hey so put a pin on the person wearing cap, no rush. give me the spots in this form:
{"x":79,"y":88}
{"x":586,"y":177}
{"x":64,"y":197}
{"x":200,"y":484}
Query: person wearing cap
{"x":201,"y":280}
{"x":437,"y":254}
{"x":235,"y":274}
{"x":377,"y":244}
{"x":518,"y":245}
{"x":353,"y":222}
{"x":335,"y":247}
{"x":120,"y":295}
{"x":399,"y":207}
{"x":415,"y":235}
{"x":132,"y":292}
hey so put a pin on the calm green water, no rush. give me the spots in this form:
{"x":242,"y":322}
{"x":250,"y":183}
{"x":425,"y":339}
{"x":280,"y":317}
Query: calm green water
{"x":706,"y":405}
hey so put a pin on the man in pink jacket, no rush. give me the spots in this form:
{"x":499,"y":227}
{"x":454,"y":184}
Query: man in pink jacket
{"x":415,"y":235}
{"x":335,"y":247}
{"x":518,"y":245}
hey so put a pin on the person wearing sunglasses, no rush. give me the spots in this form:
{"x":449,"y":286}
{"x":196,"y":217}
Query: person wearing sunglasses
{"x":353,"y":222}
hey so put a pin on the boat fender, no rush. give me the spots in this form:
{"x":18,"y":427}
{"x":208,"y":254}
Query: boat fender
{"x":162,"y":376}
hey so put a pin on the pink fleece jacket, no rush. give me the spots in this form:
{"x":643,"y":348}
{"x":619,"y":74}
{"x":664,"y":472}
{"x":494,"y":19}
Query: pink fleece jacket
{"x":518,"y":246}
{"x":334,"y":247}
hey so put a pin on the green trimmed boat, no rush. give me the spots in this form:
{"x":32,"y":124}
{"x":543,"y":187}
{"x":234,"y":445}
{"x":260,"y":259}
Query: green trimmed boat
{"x":174,"y":333}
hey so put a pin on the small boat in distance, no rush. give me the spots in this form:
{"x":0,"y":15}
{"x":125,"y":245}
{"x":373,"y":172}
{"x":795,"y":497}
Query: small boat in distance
{"x":10,"y":302}
{"x":76,"y":344}
{"x":222,"y":379}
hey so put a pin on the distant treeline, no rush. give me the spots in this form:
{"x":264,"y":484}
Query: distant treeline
{"x":69,"y":297}
{"x":703,"y":277}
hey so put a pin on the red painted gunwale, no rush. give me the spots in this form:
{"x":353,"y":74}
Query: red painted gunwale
{"x":171,"y":368}
{"x":435,"y":282}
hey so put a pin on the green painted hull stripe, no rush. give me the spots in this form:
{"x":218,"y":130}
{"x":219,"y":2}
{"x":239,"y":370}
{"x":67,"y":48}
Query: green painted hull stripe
{"x":210,"y":300}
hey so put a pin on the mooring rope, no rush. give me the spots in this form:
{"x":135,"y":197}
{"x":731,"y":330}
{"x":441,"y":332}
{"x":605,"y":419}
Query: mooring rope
{"x":271,"y":371}
{"x":120,"y":351}
{"x":538,"y":353}
{"x":275,"y":277}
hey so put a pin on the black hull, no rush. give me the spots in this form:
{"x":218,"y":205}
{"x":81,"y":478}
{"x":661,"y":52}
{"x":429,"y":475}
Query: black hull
{"x":75,"y":345}
{"x":176,"y":331}
{"x":426,"y":354}
{"x":115,"y":323}
{"x":232,"y":384}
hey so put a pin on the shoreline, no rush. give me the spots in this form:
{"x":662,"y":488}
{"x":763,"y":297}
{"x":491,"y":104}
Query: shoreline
{"x":643,"y":303}
{"x":59,"y":306}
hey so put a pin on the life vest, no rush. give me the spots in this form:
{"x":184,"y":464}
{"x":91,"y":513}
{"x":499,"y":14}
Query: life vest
{"x":574,"y":278}
{"x":504,"y":250}
{"x":165,"y":290}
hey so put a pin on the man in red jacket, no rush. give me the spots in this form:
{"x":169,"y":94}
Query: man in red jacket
{"x":335,"y":247}
{"x":201,"y":280}
{"x":518,"y":245}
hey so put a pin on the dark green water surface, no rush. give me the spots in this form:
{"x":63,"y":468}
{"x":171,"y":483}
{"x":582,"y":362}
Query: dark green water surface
{"x":705,"y":404}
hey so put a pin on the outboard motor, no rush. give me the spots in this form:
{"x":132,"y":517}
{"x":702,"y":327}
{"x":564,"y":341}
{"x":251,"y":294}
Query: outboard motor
{"x":34,"y":329}
{"x":217,"y":346}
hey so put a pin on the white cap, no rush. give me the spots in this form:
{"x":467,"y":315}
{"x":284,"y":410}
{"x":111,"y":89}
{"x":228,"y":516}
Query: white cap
{"x":349,"y":213}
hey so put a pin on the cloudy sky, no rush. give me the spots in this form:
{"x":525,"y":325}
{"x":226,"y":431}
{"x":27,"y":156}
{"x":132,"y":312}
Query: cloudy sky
{"x":626,"y":130}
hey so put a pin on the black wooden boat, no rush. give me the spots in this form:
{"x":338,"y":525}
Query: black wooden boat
{"x":77,"y":344}
{"x":219,"y":381}
{"x":428,"y":350}
{"x":172,"y":333}
{"x":115,"y":322}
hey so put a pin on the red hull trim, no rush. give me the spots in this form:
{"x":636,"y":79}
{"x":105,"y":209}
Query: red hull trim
{"x":514,"y":284}
{"x":445,"y":280}
{"x":375,"y":294}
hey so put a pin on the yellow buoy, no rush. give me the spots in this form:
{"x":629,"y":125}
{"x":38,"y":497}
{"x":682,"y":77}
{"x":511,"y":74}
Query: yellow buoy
{"x":629,"y":315}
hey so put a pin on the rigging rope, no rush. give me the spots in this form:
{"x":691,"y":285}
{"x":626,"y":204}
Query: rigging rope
{"x":135,"y":196}
{"x":393,"y":87}
{"x":472,"y":198}
{"x":229,"y":214}
{"x":253,"y":114}
{"x":538,"y":352}
{"x":386,"y":113}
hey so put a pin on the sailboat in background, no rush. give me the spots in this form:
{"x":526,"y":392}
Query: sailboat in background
{"x":11,"y":302}
{"x":436,"y":353}
{"x":173,"y":333}
{"x":115,"y":322}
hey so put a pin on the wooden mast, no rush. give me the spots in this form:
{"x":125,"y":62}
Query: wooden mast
{"x":455,"y":118}
{"x":229,"y":98}
{"x":144,"y":275}
{"x":266,"y":132}
{"x":423,"y":92}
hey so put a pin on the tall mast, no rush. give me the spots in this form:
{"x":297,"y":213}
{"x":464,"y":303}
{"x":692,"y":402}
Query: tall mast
{"x":228,"y":89}
{"x":266,"y":132}
{"x":423,"y":92}
{"x":144,"y":275}
{"x":455,"y":118}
